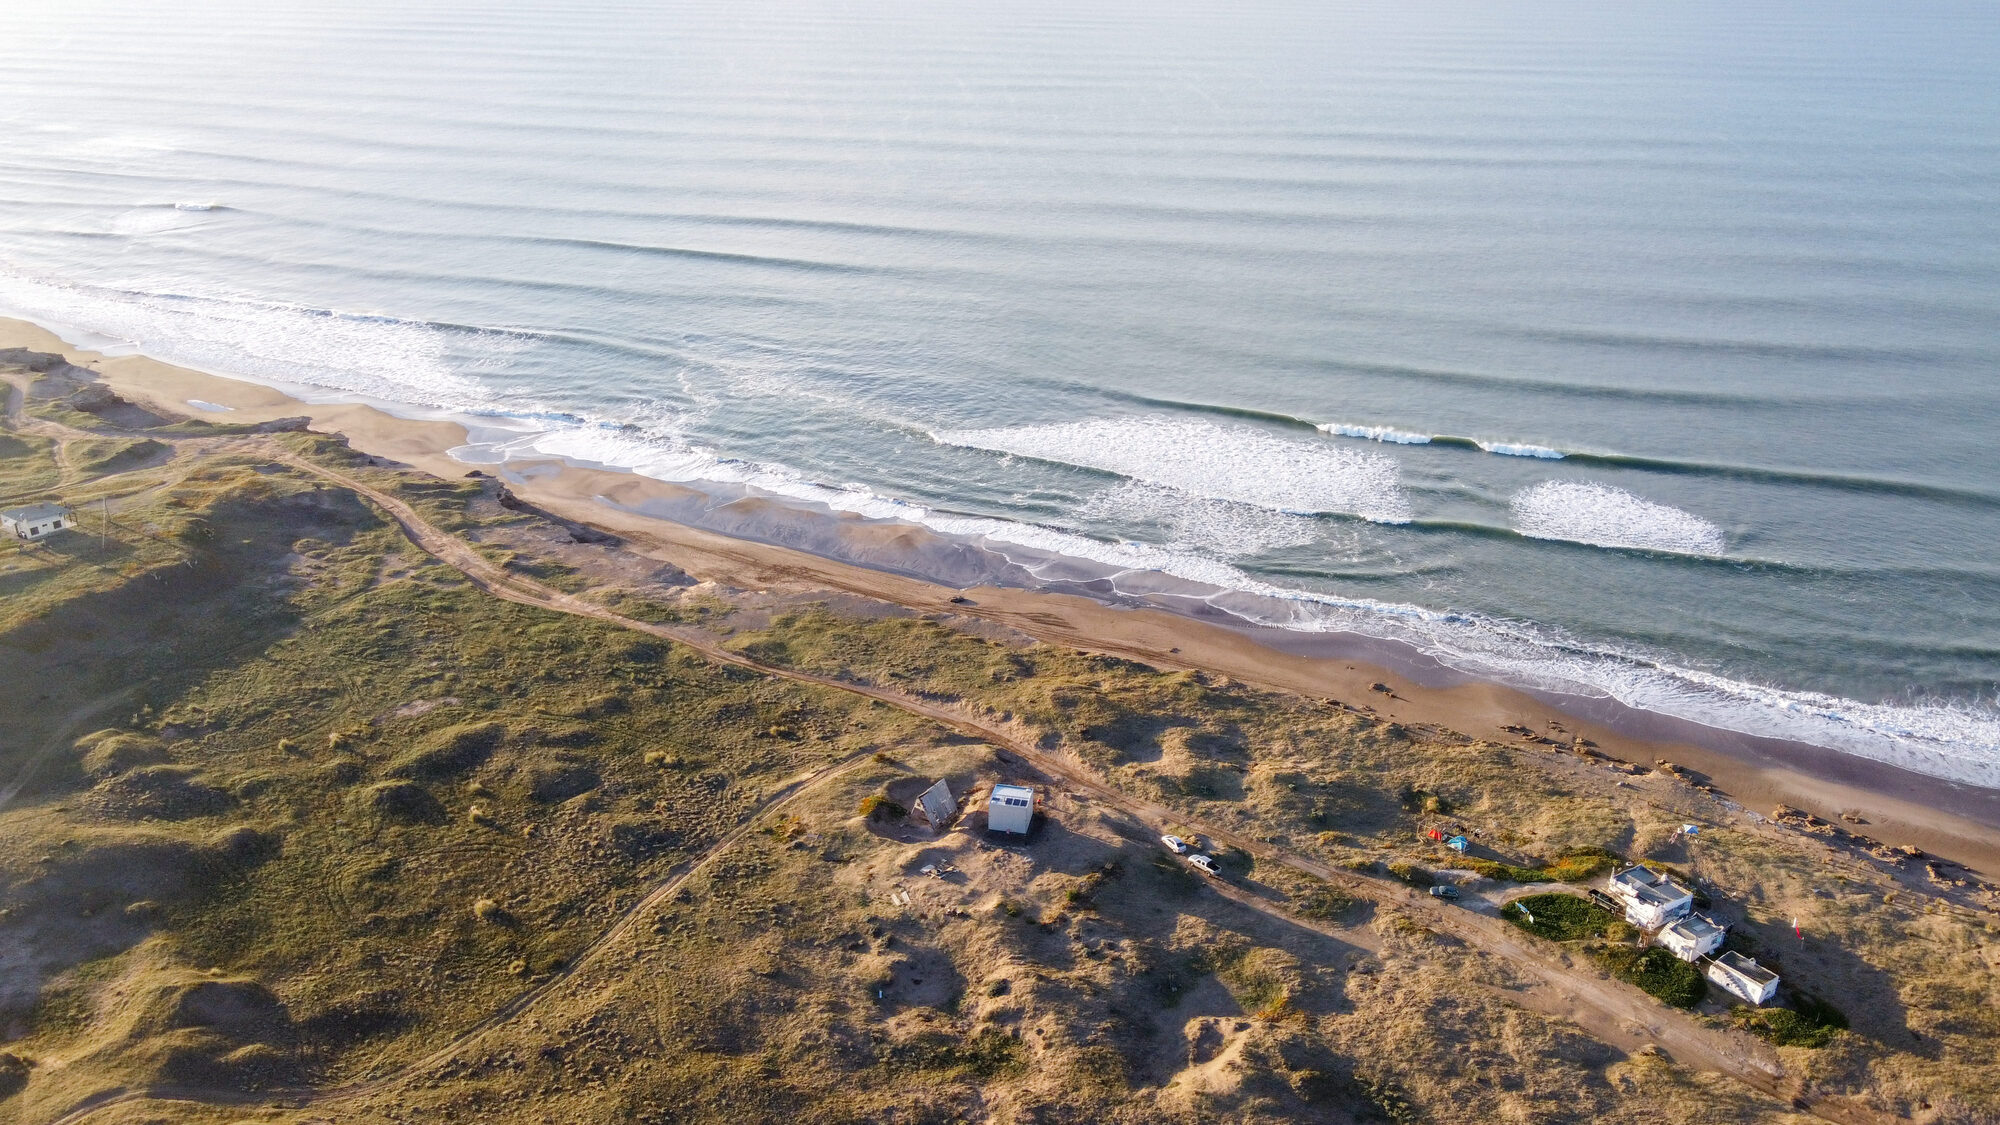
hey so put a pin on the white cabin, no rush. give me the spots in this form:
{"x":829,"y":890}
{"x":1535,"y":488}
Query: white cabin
{"x":1743,"y":978}
{"x":36,"y":521}
{"x":1693,"y":937}
{"x":1651,"y":900}
{"x":1011,"y":808}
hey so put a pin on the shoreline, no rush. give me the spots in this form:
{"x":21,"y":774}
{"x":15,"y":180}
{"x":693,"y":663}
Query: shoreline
{"x":750,"y":541}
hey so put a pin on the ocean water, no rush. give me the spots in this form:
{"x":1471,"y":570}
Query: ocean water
{"x":1649,"y":350}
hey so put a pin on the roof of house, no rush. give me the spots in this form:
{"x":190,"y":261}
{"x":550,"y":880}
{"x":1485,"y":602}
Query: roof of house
{"x":35,"y":512}
{"x":1746,"y":968}
{"x":1650,"y":887}
{"x":1005,"y":789}
{"x":1696,"y":927}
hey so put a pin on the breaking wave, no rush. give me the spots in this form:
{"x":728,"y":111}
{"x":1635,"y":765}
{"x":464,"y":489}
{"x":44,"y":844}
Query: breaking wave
{"x":1375,"y":433}
{"x":1517,"y":449}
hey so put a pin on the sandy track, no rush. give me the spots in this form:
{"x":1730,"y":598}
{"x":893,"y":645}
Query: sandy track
{"x":1613,"y":1012}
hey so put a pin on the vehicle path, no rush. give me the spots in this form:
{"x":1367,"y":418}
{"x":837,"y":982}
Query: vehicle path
{"x":1614,"y":1012}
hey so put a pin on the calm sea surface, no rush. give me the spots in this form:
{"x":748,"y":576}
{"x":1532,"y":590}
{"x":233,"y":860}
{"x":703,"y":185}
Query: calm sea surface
{"x":1651,"y":349}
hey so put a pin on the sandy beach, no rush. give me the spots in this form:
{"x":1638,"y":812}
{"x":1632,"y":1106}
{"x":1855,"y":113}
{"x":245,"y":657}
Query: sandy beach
{"x":773,"y":546}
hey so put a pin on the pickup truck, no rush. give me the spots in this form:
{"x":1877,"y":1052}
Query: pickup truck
{"x":1444,"y":892}
{"x":1175,"y":844}
{"x":1206,"y":864}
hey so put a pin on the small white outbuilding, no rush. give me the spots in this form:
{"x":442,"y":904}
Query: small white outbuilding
{"x":36,"y":521}
{"x":1011,"y":808}
{"x":1742,"y":977}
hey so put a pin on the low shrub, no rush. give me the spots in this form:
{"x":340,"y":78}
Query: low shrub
{"x":1412,"y":874}
{"x":1573,"y":866}
{"x":1809,"y":1022}
{"x":878,"y":806}
{"x":1578,"y":864}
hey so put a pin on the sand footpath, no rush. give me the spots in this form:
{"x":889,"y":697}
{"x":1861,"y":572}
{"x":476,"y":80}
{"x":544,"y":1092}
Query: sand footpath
{"x":1895,"y":806}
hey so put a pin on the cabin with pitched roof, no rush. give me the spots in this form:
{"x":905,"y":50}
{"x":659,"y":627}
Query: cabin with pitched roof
{"x":36,"y":521}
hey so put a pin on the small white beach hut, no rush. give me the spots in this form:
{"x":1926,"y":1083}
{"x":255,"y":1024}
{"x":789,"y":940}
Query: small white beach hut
{"x":1011,"y":808}
{"x":1742,"y":977}
{"x":36,"y":521}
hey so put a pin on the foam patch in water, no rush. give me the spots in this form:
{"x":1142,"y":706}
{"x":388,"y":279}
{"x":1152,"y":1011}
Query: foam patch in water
{"x":1588,"y":512}
{"x":382,"y":357}
{"x":1214,"y":527}
{"x":1202,"y":458}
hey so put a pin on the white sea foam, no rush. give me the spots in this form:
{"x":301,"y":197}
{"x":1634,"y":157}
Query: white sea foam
{"x":1958,"y":742}
{"x":363,"y":355}
{"x":1375,"y":433}
{"x":1205,"y":459}
{"x":211,"y":407}
{"x":1598,"y":514}
{"x":380,"y":357}
{"x":1220,"y":528}
{"x":1517,"y":449}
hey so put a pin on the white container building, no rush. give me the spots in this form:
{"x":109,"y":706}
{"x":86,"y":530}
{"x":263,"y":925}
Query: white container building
{"x":1743,"y":978}
{"x":1011,"y":808}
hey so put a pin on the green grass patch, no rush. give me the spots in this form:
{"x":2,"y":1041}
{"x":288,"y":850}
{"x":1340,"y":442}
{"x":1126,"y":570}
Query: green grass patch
{"x":1656,"y":972}
{"x":1559,"y":917}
